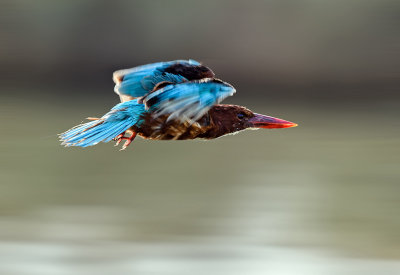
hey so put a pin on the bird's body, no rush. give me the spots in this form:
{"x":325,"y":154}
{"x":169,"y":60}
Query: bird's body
{"x":159,"y":128}
{"x":207,"y":127}
{"x":174,"y":100}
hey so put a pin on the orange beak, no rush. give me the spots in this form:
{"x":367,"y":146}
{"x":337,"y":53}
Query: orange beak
{"x":269,"y":122}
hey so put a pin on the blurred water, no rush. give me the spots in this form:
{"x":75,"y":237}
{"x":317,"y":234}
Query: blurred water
{"x":322,"y":198}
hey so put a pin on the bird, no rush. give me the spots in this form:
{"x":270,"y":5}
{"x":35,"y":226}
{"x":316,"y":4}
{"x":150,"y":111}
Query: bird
{"x":174,"y":100}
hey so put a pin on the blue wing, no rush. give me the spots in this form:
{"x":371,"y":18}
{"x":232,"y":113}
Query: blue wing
{"x":138,"y":81}
{"x":189,"y":100}
{"x":149,"y":82}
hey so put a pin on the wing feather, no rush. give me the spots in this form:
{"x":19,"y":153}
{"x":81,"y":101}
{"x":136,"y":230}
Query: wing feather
{"x":138,"y":81}
{"x":189,"y":100}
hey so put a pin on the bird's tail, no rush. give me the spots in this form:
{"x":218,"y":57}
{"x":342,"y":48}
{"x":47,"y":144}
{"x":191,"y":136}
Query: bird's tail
{"x":118,"y":120}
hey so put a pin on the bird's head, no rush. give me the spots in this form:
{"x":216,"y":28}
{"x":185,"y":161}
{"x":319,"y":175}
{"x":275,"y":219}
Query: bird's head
{"x":233,"y":118}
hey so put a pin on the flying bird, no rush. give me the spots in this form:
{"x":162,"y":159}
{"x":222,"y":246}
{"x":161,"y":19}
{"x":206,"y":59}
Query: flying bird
{"x":175,"y":100}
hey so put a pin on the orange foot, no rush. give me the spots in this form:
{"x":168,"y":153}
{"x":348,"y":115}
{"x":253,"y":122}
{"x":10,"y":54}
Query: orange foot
{"x":128,"y":141}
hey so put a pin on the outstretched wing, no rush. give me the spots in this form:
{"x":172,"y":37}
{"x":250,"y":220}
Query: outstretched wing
{"x":138,"y":81}
{"x":189,"y":100}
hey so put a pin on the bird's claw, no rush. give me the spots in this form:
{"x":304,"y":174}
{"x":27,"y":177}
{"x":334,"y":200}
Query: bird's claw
{"x":119,"y":138}
{"x":128,"y":141}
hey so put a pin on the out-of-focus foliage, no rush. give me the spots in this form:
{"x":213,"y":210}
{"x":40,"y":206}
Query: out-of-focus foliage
{"x":290,"y":43}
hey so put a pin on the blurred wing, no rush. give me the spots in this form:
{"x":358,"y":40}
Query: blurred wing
{"x":149,"y":82}
{"x":138,"y":81}
{"x":189,"y":100}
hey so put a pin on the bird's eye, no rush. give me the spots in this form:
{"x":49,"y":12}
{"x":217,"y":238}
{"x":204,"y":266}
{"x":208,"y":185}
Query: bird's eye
{"x":240,"y":116}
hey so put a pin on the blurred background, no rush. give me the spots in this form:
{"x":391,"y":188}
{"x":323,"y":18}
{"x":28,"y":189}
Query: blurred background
{"x":322,"y":198}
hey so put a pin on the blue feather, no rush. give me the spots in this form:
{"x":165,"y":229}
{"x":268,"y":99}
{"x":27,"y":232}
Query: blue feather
{"x":129,"y":82}
{"x":149,"y":82}
{"x":118,"y":120}
{"x":189,"y":100}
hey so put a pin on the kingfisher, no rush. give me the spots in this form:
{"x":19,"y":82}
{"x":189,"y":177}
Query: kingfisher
{"x":175,"y":100}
